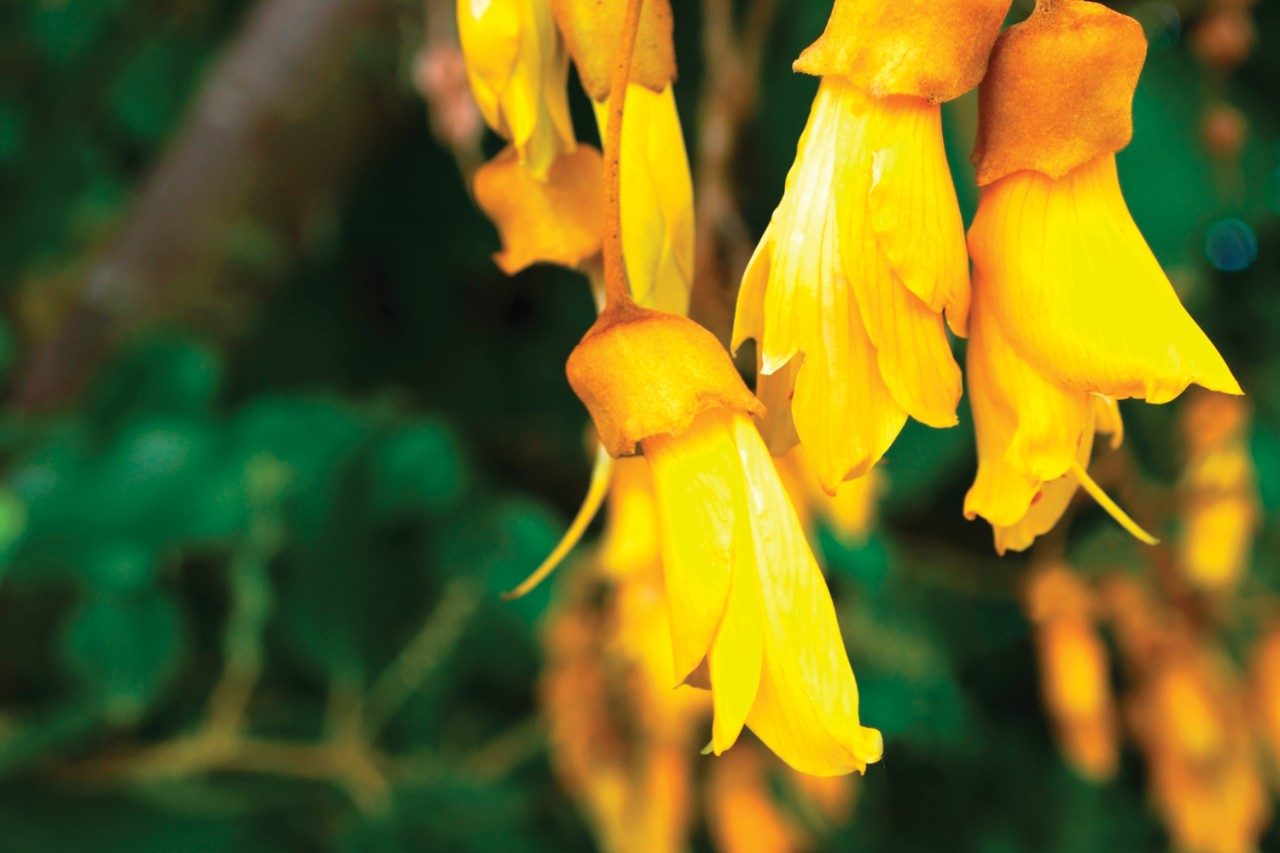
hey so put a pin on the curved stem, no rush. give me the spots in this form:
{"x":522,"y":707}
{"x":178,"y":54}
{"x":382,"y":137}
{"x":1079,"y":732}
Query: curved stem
{"x":616,"y":289}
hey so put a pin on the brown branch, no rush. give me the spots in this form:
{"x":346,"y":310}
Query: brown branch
{"x":729,"y":97}
{"x":278,"y":125}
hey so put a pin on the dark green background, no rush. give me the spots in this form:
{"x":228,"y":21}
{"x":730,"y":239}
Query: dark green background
{"x":385,"y":417}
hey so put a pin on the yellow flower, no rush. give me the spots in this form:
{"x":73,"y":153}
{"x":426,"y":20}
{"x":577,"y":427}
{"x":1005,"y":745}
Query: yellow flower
{"x":518,"y":68}
{"x":1070,"y":307}
{"x":750,"y":610}
{"x":850,"y":512}
{"x":1074,"y":673}
{"x":657,"y":199}
{"x":846,"y":291}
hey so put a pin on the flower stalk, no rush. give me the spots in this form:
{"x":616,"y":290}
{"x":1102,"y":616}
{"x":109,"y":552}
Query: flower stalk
{"x":617,"y":291}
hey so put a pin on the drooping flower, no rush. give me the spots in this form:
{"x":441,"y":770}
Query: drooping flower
{"x":1070,"y":309}
{"x":518,"y":68}
{"x":751,"y":616}
{"x":1074,"y":676}
{"x":846,"y":292}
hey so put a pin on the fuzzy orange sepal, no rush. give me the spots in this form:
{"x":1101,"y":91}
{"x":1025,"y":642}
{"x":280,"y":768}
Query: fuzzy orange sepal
{"x":908,"y":47}
{"x":1059,"y":90}
{"x":593,"y":31}
{"x":643,"y":373}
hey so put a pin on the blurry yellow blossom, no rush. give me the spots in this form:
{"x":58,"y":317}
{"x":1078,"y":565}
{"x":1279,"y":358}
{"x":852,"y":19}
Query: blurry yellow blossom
{"x":745,"y":815}
{"x":865,"y":252}
{"x":518,"y":68}
{"x":1265,"y":692}
{"x":1219,"y":494}
{"x":1061,"y":270}
{"x":1188,"y":717}
{"x":850,"y":512}
{"x":751,"y":615}
{"x":1074,"y":671}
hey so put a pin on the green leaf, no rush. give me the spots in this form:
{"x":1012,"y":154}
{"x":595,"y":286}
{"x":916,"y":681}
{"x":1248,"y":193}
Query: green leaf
{"x":124,"y":651}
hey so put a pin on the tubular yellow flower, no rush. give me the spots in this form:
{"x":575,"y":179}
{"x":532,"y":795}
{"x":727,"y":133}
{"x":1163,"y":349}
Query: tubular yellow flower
{"x":1061,"y":270}
{"x":866,"y":249}
{"x":518,"y":67}
{"x":657,"y":199}
{"x":749,"y":606}
{"x":1074,"y":672}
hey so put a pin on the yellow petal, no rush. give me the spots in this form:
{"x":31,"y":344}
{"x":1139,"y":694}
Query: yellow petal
{"x":902,"y":245}
{"x":657,"y":200}
{"x":1029,"y":430}
{"x":518,"y":68}
{"x":726,"y":522}
{"x":555,"y":220}
{"x":1076,"y":291}
{"x":842,"y":410}
{"x":807,"y":706}
{"x":737,"y":651}
{"x":913,"y":209}
{"x":694,"y":478}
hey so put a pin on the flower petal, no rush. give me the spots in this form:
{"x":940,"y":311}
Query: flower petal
{"x":657,"y":200}
{"x":807,"y":706}
{"x":1067,"y":274}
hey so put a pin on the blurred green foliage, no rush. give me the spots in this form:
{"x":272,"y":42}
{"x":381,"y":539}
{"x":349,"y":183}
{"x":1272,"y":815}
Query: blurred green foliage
{"x":324,"y":510}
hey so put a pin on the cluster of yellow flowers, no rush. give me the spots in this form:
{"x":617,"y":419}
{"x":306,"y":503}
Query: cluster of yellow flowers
{"x":849,"y":295}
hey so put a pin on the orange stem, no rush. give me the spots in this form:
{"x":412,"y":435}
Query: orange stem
{"x":617,"y":291}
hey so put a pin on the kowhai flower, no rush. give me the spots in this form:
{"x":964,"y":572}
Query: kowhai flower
{"x":846,"y":292}
{"x":751,"y":616}
{"x":1071,"y":310}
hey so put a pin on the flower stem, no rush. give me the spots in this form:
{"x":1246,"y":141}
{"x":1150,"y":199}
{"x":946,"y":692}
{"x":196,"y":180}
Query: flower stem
{"x":617,"y":291}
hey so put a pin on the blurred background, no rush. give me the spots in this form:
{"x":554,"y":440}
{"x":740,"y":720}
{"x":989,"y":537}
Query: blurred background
{"x":276,"y":433}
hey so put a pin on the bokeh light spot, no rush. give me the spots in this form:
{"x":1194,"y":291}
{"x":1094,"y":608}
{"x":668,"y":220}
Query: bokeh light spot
{"x":1230,"y":245}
